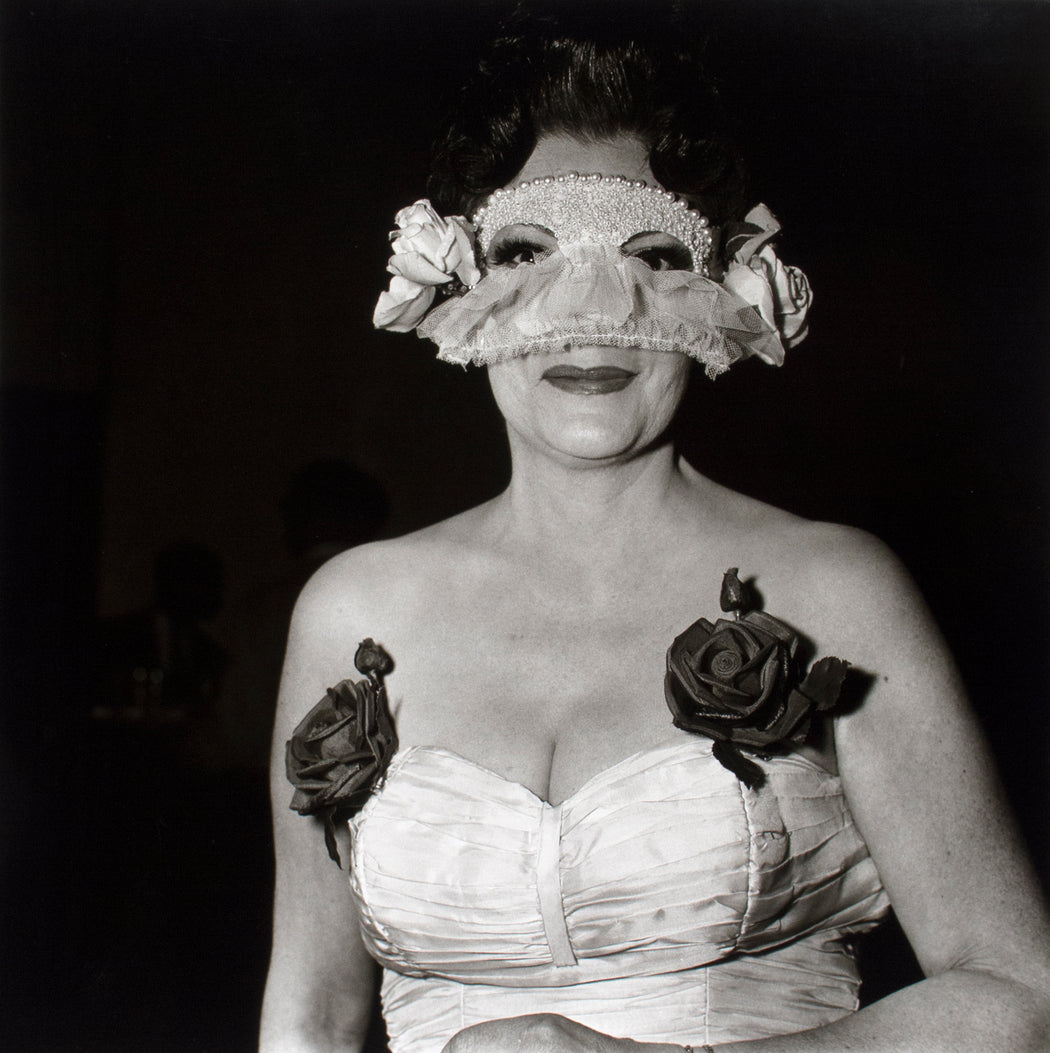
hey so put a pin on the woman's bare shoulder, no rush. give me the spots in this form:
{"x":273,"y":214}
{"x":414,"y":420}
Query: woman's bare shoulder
{"x":379,"y":578}
{"x":826,"y":575}
{"x":840,"y":556}
{"x":384,"y":590}
{"x":846,"y":589}
{"x":802,"y":547}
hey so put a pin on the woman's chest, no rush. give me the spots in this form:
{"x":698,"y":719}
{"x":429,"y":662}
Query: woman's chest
{"x":544,"y":681}
{"x":545,"y":698}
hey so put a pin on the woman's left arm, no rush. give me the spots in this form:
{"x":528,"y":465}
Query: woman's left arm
{"x":923,"y":790}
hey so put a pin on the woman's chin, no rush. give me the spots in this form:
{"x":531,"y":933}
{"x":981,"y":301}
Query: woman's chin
{"x":595,"y":443}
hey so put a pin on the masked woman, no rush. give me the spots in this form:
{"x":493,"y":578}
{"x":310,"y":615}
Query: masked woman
{"x":582,"y":807}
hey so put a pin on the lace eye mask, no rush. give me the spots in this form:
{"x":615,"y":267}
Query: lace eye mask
{"x":595,"y":295}
{"x":583,"y":260}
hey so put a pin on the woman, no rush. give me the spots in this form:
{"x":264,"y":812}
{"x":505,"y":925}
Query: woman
{"x":548,"y":862}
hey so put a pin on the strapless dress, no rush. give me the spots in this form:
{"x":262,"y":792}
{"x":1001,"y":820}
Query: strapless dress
{"x":662,"y":901}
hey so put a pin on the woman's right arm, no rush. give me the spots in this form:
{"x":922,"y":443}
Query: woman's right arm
{"x":320,"y":982}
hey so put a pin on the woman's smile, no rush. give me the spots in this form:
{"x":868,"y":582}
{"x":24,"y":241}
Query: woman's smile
{"x":596,"y":380}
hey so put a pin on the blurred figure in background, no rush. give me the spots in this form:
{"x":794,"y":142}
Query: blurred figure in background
{"x":161,"y":665}
{"x":329,"y":506}
{"x":146,"y":857}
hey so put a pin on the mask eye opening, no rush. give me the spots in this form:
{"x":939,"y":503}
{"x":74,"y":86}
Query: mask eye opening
{"x":520,"y":245}
{"x":659,"y":251}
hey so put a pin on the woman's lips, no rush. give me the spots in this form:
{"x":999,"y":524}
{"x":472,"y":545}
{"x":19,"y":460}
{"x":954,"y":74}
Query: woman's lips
{"x":598,"y":380}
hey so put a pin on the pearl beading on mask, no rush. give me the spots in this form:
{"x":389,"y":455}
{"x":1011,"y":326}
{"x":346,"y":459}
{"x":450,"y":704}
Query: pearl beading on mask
{"x":595,"y":208}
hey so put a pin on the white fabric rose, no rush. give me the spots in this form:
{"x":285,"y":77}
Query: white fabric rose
{"x":428,"y":251}
{"x":781,"y":294}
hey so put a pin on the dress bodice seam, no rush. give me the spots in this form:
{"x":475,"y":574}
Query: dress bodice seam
{"x":752,"y":866}
{"x":548,"y":887}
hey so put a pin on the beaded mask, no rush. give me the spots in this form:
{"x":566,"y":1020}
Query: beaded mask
{"x":595,"y":209}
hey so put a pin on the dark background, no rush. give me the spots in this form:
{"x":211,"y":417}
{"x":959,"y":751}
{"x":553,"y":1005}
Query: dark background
{"x":196,"y":197}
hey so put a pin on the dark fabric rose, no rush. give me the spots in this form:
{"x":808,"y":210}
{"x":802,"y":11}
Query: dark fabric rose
{"x":739,"y":683}
{"x":343,"y":746}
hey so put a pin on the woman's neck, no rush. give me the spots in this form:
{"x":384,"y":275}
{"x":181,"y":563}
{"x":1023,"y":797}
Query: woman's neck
{"x":554,"y":506}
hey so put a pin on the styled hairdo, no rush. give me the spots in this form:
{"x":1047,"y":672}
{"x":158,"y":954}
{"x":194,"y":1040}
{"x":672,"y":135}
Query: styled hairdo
{"x":593,"y":72}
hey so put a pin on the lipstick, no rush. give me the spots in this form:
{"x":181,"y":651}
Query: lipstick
{"x":598,"y":380}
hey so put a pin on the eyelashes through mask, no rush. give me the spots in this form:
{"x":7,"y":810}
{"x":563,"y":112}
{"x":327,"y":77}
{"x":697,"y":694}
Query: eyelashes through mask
{"x":522,"y":244}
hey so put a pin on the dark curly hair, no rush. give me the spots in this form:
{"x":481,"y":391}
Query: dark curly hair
{"x":591,"y":71}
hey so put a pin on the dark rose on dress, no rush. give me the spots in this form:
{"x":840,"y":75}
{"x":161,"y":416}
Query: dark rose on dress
{"x":739,"y":683}
{"x":343,"y":746}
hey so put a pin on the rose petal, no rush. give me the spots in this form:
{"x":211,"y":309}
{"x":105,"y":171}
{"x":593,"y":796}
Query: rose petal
{"x":421,"y":212}
{"x":402,"y":307}
{"x":767,"y":623}
{"x":417,"y":268}
{"x":824,"y":682}
{"x":405,"y":235}
{"x":465,"y":268}
{"x":794,"y":299}
{"x":329,"y":838}
{"x":430,"y":242}
{"x":753,"y":288}
{"x":760,"y":226}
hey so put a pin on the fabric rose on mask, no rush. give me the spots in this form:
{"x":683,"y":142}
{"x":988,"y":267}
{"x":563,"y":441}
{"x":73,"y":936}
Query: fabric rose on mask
{"x":781,"y":294}
{"x":739,"y":683}
{"x":343,"y":746}
{"x":428,"y":251}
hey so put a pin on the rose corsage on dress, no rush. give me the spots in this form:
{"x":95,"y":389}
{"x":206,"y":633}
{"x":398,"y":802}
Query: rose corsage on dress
{"x":343,"y":746}
{"x":740,"y":683}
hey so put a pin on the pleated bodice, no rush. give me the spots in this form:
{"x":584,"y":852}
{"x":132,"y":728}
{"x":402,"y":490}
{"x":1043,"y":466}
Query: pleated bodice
{"x":629,"y":906}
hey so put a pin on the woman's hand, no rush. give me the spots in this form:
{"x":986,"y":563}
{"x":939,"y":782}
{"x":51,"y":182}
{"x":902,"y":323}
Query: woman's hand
{"x":542,"y":1033}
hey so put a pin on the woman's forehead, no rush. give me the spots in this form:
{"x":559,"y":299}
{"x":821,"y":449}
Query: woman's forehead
{"x":623,"y":155}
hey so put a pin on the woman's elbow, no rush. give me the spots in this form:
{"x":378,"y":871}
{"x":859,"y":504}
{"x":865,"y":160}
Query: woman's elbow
{"x":330,"y":1022}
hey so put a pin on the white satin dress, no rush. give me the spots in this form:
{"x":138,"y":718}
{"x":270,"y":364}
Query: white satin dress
{"x":662,"y":901}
